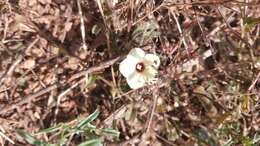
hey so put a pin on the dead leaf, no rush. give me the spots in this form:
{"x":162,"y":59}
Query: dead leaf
{"x":72,"y":63}
{"x":28,"y":64}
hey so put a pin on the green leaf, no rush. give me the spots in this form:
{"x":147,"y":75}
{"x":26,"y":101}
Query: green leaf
{"x":251,"y":22}
{"x":110,"y":131}
{"x":247,"y":141}
{"x":91,"y":79}
{"x":31,"y":140}
{"x":92,"y":142}
{"x":87,"y":120}
{"x":50,"y":130}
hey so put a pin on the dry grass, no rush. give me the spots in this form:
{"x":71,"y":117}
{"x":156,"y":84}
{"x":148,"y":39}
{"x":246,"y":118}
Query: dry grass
{"x":59,"y":63}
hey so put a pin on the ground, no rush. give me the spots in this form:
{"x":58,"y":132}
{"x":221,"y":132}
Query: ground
{"x":60,"y":82}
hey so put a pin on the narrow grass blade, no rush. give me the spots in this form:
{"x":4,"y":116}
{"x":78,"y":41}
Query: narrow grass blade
{"x":92,"y":142}
{"x":50,"y":130}
{"x":112,"y":132}
{"x":87,"y":120}
{"x":31,"y":140}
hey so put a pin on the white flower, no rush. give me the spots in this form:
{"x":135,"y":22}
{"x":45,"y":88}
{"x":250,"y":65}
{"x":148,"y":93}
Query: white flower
{"x":139,"y":68}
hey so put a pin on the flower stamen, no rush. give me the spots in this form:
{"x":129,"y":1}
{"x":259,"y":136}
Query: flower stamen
{"x":140,"y":67}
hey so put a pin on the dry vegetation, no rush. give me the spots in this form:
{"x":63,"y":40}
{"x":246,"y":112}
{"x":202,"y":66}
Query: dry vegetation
{"x":59,"y":72}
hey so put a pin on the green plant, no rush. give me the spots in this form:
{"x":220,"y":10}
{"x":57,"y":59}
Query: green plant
{"x":66,"y":131}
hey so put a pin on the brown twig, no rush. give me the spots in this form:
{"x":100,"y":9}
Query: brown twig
{"x":115,"y":115}
{"x":82,"y":26}
{"x":181,"y":33}
{"x":142,"y":18}
{"x":236,"y":34}
{"x":254,"y":82}
{"x":155,"y":99}
{"x":94,"y":69}
{"x":16,"y":62}
{"x":11,"y":69}
{"x":5,"y":136}
{"x":213,"y":2}
{"x":29,"y":98}
{"x":5,"y":29}
{"x":84,"y":73}
{"x":65,"y":92}
{"x":205,"y":36}
{"x":164,"y":139}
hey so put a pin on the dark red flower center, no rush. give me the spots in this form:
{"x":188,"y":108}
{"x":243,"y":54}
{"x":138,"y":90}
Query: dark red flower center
{"x":140,"y":67}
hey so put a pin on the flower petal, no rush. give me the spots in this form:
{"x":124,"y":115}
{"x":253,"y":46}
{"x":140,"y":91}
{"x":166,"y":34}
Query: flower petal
{"x":152,"y":59}
{"x":150,"y":73}
{"x":127,"y":66}
{"x":136,"y":81}
{"x":137,"y":53}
